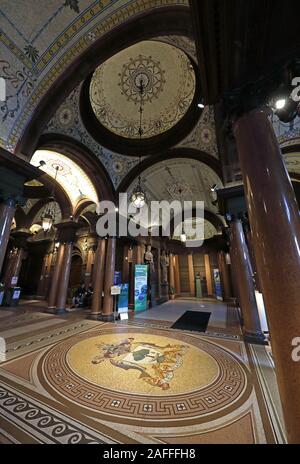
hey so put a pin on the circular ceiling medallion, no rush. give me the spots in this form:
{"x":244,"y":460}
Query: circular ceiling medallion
{"x":169,"y":84}
{"x":145,"y":375}
{"x":141,"y":70}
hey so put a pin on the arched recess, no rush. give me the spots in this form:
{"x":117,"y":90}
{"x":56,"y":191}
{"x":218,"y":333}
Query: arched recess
{"x":165,"y":20}
{"x":189,"y":153}
{"x":85,"y":159}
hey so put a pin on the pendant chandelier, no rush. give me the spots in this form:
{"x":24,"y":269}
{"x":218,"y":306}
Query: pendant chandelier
{"x":138,"y":196}
{"x":183,"y":234}
{"x":48,"y":218}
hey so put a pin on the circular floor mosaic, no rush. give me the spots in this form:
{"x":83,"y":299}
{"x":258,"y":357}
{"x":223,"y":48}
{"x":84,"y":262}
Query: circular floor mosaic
{"x":144,"y":374}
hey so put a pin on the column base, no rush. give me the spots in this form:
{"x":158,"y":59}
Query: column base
{"x":50,"y":310}
{"x":107,"y":317}
{"x":256,"y":339}
{"x":94,"y":316}
{"x":60,"y":311}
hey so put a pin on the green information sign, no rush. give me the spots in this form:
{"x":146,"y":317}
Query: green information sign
{"x":140,"y":287}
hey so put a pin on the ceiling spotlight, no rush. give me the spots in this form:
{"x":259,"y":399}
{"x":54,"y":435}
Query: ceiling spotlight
{"x":201,"y":105}
{"x":214,"y":188}
{"x":183,"y":237}
{"x":279,"y":104}
{"x":116,"y":209}
{"x":282,"y":104}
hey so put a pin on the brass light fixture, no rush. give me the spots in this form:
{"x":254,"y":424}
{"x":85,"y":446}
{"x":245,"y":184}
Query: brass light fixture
{"x":138,"y":196}
{"x":49,"y":217}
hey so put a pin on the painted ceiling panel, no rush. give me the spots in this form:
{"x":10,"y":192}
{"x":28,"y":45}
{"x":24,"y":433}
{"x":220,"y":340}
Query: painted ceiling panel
{"x":40,"y":39}
{"x":70,"y":176}
{"x":167,"y":76}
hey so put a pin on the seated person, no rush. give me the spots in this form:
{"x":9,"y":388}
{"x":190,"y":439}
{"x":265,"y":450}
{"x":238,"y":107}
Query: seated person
{"x":78,"y":296}
{"x":89,"y":295}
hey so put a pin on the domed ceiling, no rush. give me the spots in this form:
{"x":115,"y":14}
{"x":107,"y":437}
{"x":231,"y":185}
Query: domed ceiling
{"x":180,"y":179}
{"x":169,"y":83}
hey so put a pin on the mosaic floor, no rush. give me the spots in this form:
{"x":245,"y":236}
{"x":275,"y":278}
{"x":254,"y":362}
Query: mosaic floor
{"x":73,"y":380}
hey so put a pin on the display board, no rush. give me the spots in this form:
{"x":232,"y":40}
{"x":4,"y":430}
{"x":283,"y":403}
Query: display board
{"x":140,"y":287}
{"x":217,"y":280}
{"x":123,"y":299}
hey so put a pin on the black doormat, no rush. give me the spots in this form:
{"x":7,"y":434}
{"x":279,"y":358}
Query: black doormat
{"x":192,"y":320}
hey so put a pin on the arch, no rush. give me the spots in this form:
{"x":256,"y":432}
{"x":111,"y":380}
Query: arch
{"x":85,"y":159}
{"x":181,"y":152}
{"x":165,"y":20}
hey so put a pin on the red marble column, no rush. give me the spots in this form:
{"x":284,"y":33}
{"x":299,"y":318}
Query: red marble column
{"x":225,"y":277}
{"x":7,"y":212}
{"x":62,"y":290}
{"x":177,"y":276}
{"x":55,"y":277}
{"x":17,"y":266}
{"x":10,"y":262}
{"x":125,"y":268}
{"x":274,"y":218}
{"x":171,"y":276}
{"x":88,"y":269}
{"x":191,"y":275}
{"x":47,"y":278}
{"x":41,"y":286}
{"x":107,"y":310}
{"x":99,"y":270}
{"x":243,"y":276}
{"x":209,"y":282}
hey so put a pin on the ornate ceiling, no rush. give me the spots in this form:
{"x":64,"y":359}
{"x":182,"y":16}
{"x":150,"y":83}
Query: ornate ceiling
{"x":70,"y":176}
{"x":167,"y":76}
{"x":39,"y":42}
{"x":166,"y":179}
{"x":209,"y":229}
{"x":67,"y":121}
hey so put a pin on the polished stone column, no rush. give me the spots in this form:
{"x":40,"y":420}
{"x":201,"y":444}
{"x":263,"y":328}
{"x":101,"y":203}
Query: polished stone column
{"x":171,"y":275}
{"x":131,"y":277}
{"x":88,"y":269}
{"x":275,"y":224}
{"x":55,"y":277}
{"x":139,"y":254}
{"x":7,"y":212}
{"x":253,"y":260}
{"x":209,"y":283}
{"x":191,"y":275}
{"x":125,"y":268}
{"x":48,"y":274}
{"x":108,"y":309}
{"x":20,"y":255}
{"x":158,"y":273}
{"x":63,"y":284}
{"x":177,"y":276}
{"x":41,"y":286}
{"x":10,"y":261}
{"x":243,"y":275}
{"x":225,"y":277}
{"x":99,"y":270}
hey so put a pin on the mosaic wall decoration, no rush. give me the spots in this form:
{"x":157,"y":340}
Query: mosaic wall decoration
{"x":38,"y":44}
{"x":67,"y":121}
